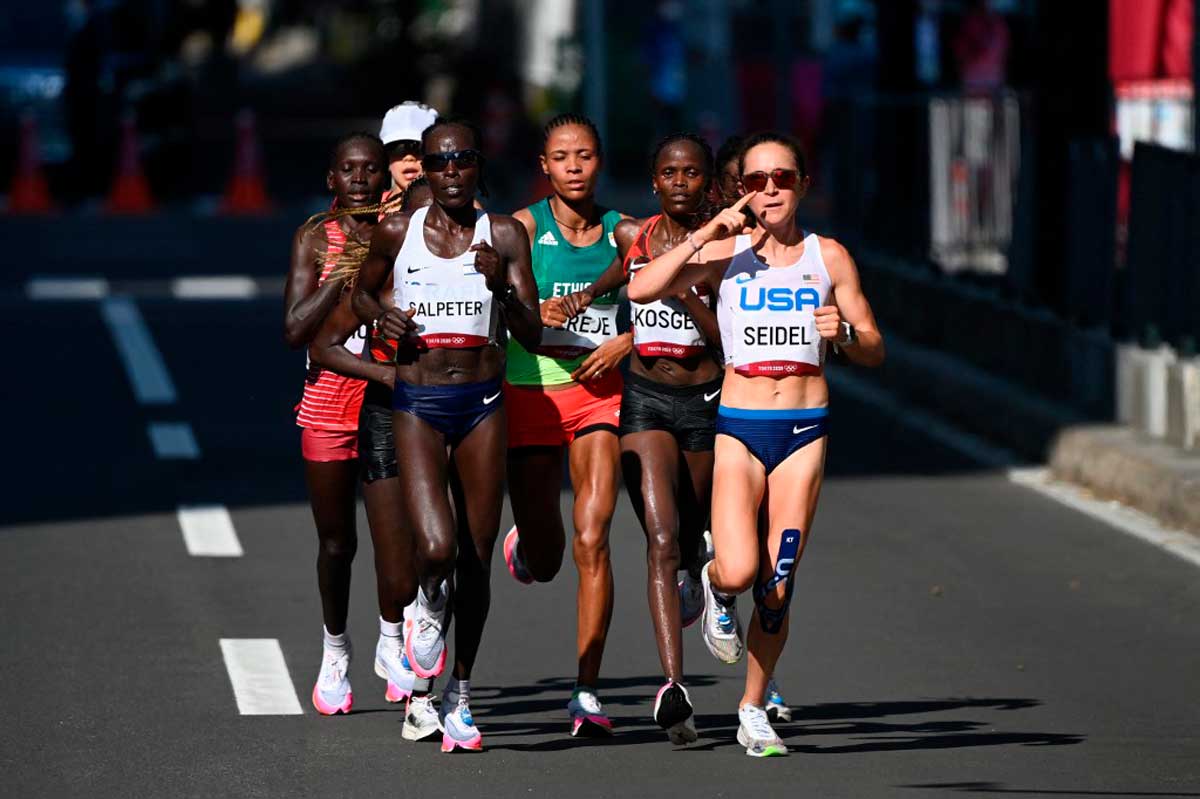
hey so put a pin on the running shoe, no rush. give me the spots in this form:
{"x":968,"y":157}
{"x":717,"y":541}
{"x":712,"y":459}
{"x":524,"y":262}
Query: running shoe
{"x":756,"y":733}
{"x":459,"y":730}
{"x":332,"y":692}
{"x":425,"y":636}
{"x":420,"y":719}
{"x":673,"y":712}
{"x":691,"y":600}
{"x":722,"y":630}
{"x":516,"y":567}
{"x":777,"y":706}
{"x":587,"y":717}
{"x":392,"y":665}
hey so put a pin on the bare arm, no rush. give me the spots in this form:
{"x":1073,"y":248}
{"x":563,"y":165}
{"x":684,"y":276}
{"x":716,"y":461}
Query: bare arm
{"x":393,"y":323}
{"x":683,"y":266}
{"x":328,"y":348}
{"x":850,"y":305}
{"x":305,"y":304}
{"x":520,"y":306}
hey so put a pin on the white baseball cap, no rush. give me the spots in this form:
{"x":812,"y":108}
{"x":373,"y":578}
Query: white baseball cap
{"x":406,"y":121}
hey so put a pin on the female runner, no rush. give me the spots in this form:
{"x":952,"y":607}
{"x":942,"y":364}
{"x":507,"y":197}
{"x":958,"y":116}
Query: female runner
{"x":328,"y":411}
{"x":566,"y":397}
{"x":395,"y":573}
{"x":401,"y":134}
{"x":458,"y":273}
{"x":782,"y":296}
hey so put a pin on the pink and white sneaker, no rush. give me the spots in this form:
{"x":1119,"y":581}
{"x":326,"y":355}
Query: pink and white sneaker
{"x":460,"y":730}
{"x":332,"y":692}
{"x":512,"y":558}
{"x":392,"y":665}
{"x":587,"y":716}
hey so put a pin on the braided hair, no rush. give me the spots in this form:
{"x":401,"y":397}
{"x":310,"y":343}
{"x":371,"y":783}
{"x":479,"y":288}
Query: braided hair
{"x":355,"y":251}
{"x":572,"y":119}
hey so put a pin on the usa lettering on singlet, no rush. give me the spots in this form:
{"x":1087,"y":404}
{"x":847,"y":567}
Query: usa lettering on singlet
{"x":331,"y":401}
{"x":661,"y":327}
{"x":765,"y":313}
{"x":450,"y":301}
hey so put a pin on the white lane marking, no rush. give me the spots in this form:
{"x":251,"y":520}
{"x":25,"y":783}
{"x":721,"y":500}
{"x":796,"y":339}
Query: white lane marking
{"x":1122,"y":517}
{"x":208,"y":531}
{"x":217,"y":287}
{"x":66,"y":288}
{"x":173,"y":440}
{"x":143,"y":363}
{"x":1118,"y":516}
{"x":260,"y":679}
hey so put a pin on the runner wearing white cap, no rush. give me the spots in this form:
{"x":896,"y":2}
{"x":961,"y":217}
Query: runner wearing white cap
{"x":401,"y":133}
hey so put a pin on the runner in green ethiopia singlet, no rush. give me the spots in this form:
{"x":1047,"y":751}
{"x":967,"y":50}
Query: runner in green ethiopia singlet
{"x":561,"y":268}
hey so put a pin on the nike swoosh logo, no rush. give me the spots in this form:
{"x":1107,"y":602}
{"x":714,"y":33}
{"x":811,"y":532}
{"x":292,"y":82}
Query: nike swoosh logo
{"x":418,"y":269}
{"x":491,"y":399}
{"x":709,"y":397}
{"x":798,"y":430}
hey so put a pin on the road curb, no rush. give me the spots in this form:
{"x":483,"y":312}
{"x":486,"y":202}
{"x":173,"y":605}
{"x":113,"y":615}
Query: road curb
{"x":1112,"y":461}
{"x":1116,"y":462}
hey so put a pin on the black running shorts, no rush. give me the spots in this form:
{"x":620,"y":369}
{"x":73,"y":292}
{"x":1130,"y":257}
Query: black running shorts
{"x":687,"y":412}
{"x":376,"y":445}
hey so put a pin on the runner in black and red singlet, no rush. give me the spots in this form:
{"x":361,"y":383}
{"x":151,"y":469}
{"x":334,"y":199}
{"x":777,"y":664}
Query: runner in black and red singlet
{"x":328,"y":410}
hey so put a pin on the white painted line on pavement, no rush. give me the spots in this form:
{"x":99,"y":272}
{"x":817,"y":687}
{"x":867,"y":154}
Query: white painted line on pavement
{"x":218,"y":287}
{"x":143,"y":363}
{"x":1116,"y":515}
{"x":1122,"y":517}
{"x":260,"y":679}
{"x":173,"y":440}
{"x":66,"y":288}
{"x":208,"y":531}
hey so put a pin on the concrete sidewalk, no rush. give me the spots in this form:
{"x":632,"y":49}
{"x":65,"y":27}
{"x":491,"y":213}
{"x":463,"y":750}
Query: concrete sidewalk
{"x":1113,"y":461}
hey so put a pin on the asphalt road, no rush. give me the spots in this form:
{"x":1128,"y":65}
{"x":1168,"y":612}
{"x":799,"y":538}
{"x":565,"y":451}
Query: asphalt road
{"x":952,"y":633}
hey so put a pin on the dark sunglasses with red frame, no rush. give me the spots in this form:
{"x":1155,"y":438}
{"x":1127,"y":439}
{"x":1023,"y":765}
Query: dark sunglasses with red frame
{"x":782,"y":178}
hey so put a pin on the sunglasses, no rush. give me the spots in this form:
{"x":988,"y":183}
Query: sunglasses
{"x":782,"y":178}
{"x":437,"y":162}
{"x":404,"y":147}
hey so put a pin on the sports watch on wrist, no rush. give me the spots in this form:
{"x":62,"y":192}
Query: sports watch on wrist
{"x":849,"y":335}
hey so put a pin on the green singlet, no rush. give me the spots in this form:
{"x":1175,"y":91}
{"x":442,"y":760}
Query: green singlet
{"x":561,"y":268}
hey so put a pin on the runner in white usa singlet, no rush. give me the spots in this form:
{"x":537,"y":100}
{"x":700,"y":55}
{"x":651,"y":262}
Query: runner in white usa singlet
{"x":766,"y":313}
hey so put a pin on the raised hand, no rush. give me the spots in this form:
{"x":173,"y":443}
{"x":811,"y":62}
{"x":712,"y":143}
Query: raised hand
{"x":728,"y":222}
{"x":487,"y":263}
{"x":829,"y":322}
{"x":396,"y":323}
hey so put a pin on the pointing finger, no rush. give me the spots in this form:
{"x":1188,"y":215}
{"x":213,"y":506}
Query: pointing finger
{"x":740,"y":204}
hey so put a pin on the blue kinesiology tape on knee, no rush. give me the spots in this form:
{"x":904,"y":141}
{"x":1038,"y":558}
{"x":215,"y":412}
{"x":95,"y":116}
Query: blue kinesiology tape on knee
{"x":771,"y":619}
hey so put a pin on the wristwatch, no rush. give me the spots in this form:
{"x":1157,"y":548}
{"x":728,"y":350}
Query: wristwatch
{"x":849,"y":335}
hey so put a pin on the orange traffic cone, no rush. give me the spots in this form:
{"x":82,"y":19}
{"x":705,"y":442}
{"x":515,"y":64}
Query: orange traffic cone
{"x":130,"y":193}
{"x":246,"y":193}
{"x":29,"y":193}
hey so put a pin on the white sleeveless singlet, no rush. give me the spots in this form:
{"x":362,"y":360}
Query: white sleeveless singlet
{"x":453,"y":306}
{"x":766,"y":313}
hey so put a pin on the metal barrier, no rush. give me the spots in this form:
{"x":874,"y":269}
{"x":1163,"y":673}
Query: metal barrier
{"x":1163,"y":256}
{"x":934,"y":176}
